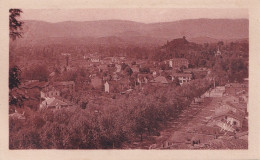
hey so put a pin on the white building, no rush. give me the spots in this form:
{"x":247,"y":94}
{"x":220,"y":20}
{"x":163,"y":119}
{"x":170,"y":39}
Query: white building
{"x":50,"y":93}
{"x":154,"y":73}
{"x":106,"y":87}
{"x":177,"y":62}
{"x":118,"y":68}
{"x":95,"y":60}
{"x":170,"y":63}
{"x":53,"y":103}
{"x":218,"y":53}
{"x":182,"y":77}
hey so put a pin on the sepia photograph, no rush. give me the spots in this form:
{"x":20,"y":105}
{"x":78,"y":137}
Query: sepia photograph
{"x":133,"y":78}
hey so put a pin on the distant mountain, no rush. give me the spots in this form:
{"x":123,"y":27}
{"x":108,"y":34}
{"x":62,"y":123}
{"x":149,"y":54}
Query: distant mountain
{"x":201,"y":40}
{"x":196,"y":30}
{"x":39,"y":29}
{"x":214,"y":28}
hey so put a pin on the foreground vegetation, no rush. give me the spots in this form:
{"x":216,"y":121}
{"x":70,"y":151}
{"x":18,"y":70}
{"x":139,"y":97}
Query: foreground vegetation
{"x":135,"y":118}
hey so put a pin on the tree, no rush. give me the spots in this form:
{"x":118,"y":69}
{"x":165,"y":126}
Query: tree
{"x":15,"y":26}
{"x":84,"y":105}
{"x":220,"y":43}
{"x":238,"y":70}
{"x":14,"y":77}
{"x":144,"y":70}
{"x":39,"y":72}
{"x":129,"y":71}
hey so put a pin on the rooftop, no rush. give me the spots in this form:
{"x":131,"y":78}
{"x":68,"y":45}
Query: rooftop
{"x":159,"y":79}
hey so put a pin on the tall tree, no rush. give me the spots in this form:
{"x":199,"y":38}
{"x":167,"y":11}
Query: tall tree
{"x":15,"y":25}
{"x":14,"y":77}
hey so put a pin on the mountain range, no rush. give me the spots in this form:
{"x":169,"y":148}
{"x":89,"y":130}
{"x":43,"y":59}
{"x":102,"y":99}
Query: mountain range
{"x":195,"y":30}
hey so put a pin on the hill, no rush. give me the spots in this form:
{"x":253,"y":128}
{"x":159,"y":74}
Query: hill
{"x":130,"y":31}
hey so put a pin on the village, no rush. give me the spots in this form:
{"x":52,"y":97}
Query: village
{"x":219,"y":114}
{"x":107,"y":77}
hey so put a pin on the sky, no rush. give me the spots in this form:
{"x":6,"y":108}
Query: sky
{"x":148,"y":15}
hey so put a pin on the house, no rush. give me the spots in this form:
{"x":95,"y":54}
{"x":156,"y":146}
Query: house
{"x":118,"y":67}
{"x":221,"y":88}
{"x":159,"y":80}
{"x":17,"y":115}
{"x":107,"y":60}
{"x":218,"y":53}
{"x":115,"y":60}
{"x":224,"y":109}
{"x":224,"y":126}
{"x":53,"y":103}
{"x":239,"y":106}
{"x":95,"y":60}
{"x":230,"y":120}
{"x":182,"y":77}
{"x":241,"y":92}
{"x":49,"y":92}
{"x":143,"y":78}
{"x":52,"y":74}
{"x":135,"y":68}
{"x":70,"y":68}
{"x":198,"y":100}
{"x":106,"y":85}
{"x":177,"y":62}
{"x":122,"y":58}
{"x":154,"y":73}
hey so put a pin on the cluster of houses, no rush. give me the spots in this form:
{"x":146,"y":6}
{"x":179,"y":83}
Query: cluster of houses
{"x":46,"y":94}
{"x":228,"y":118}
{"x":231,"y":113}
{"x":106,"y":74}
{"x":111,"y":74}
